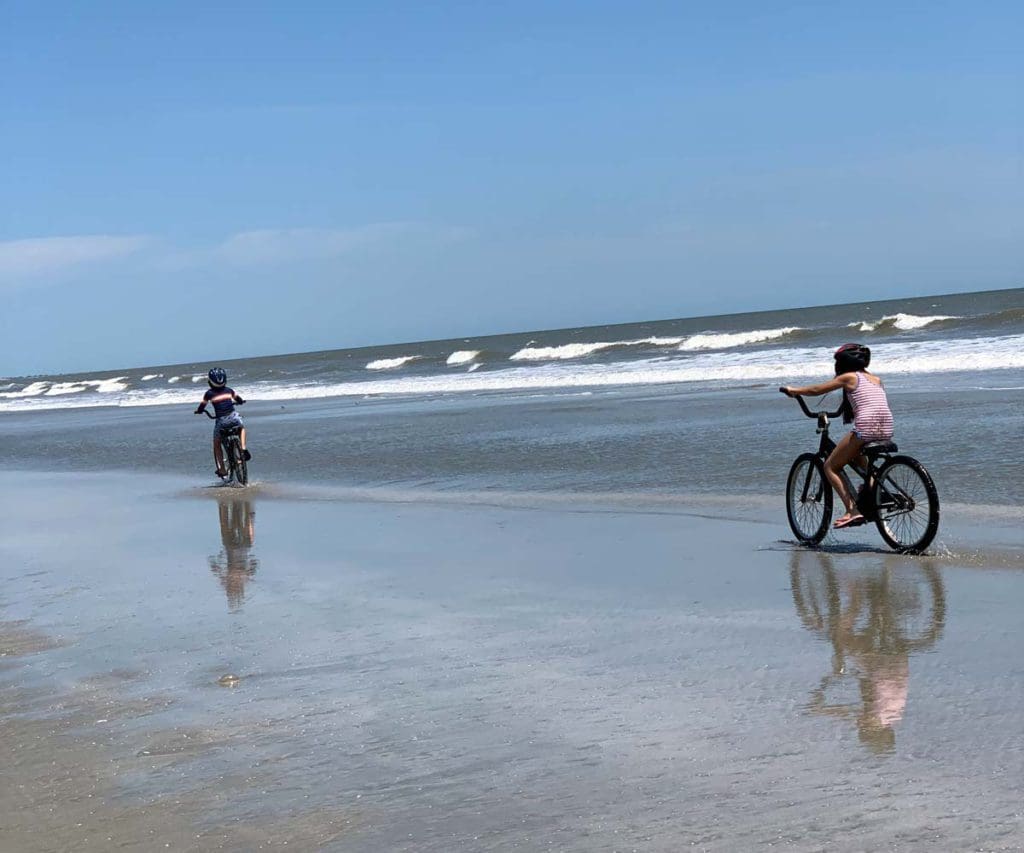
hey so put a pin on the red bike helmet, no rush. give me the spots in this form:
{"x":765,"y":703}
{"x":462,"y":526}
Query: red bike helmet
{"x":851,"y":357}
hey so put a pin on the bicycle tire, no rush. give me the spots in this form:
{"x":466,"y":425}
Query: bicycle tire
{"x":907,"y":504}
{"x":808,"y":499}
{"x":229,"y":457}
{"x":241,"y":467}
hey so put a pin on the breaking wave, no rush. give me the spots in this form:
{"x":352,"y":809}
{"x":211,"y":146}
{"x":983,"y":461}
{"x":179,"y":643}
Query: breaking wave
{"x":392,"y":363}
{"x":901,"y":322}
{"x":571,"y":351}
{"x":59,"y":389}
{"x":727,"y":340}
{"x":463,"y":356}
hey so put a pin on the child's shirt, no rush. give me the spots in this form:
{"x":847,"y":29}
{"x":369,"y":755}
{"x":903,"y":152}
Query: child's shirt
{"x":223,"y":400}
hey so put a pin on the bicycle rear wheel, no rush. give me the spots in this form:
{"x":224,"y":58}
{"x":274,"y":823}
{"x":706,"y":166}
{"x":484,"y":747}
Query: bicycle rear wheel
{"x":241,"y":467}
{"x":236,"y":461}
{"x":908,"y":505}
{"x":231,"y":457}
{"x":808,"y":499}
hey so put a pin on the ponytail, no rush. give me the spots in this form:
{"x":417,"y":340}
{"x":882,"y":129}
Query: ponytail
{"x":847,"y":408}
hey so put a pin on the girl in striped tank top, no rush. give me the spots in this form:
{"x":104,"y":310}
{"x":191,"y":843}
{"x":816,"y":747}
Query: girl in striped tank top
{"x":865,"y":405}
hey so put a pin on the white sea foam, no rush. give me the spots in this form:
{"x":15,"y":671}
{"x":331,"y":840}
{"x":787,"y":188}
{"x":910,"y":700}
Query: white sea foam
{"x":716,"y":368}
{"x":32,"y":390}
{"x":391,"y":363}
{"x":61,"y":389}
{"x":463,"y":356}
{"x":903,"y":322}
{"x":173,"y":379}
{"x":149,"y":376}
{"x":571,"y":351}
{"x":109,"y":386}
{"x":199,"y":377}
{"x":727,"y":340}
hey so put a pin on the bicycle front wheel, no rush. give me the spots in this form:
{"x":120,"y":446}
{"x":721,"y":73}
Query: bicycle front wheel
{"x":908,"y":505}
{"x":808,"y":499}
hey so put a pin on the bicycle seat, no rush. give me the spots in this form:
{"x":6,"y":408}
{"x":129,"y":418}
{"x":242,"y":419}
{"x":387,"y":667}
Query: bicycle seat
{"x":877,"y":448}
{"x":231,"y":430}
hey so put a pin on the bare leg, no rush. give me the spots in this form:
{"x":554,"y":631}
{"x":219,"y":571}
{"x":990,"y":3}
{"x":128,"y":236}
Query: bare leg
{"x":243,"y":438}
{"x":218,"y":454}
{"x":846,"y":451}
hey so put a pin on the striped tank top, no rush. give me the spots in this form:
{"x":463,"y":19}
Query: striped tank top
{"x":872,"y":419}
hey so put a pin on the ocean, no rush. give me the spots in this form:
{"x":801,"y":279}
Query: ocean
{"x":642,"y":411}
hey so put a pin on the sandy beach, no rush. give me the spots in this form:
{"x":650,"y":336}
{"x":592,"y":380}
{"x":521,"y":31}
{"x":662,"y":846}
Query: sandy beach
{"x":200,"y":668}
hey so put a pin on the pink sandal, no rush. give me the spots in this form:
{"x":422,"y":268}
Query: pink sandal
{"x":848,"y":520}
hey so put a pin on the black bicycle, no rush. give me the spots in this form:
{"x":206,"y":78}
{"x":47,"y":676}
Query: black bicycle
{"x":234,"y":456}
{"x":897,"y":492}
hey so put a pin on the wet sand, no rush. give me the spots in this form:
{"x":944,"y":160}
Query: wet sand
{"x":207,"y":669}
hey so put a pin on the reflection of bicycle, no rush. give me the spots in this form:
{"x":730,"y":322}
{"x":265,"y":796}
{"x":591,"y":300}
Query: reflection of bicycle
{"x":897,"y":493}
{"x":874,"y":620}
{"x":234,"y":456}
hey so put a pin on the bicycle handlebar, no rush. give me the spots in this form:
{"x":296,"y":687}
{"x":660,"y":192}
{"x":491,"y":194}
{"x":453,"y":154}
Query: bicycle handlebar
{"x":808,"y":412}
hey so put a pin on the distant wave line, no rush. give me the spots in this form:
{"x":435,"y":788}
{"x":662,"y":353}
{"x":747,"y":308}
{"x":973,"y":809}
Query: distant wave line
{"x":912,"y":357}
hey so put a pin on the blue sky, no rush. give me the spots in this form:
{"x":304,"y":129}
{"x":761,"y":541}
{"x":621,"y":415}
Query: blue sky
{"x":183,"y":182}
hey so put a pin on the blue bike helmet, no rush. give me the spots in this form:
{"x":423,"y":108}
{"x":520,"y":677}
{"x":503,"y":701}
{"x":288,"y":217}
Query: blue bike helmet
{"x":218,"y":377}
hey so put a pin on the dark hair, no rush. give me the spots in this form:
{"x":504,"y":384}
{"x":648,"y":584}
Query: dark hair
{"x":850,"y":358}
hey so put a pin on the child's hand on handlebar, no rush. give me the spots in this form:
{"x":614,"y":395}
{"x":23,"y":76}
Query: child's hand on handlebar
{"x":785,"y":389}
{"x":199,"y":411}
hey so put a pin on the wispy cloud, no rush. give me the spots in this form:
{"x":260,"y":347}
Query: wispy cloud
{"x":292,"y":244}
{"x":44,"y":256}
{"x":38,"y":260}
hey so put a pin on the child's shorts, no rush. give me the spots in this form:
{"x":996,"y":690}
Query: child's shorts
{"x":228,"y":422}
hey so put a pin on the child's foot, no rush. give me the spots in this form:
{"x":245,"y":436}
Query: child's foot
{"x":849,"y":519}
{"x":247,"y":455}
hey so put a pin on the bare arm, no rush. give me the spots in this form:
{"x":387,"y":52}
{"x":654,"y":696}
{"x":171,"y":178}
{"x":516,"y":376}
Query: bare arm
{"x":846,"y":380}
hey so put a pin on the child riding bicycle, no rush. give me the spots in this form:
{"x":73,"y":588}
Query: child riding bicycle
{"x":223,"y":400}
{"x":866,"y":405}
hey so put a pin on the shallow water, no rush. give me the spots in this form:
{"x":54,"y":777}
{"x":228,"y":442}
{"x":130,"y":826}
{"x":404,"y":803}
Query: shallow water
{"x":429,"y":677}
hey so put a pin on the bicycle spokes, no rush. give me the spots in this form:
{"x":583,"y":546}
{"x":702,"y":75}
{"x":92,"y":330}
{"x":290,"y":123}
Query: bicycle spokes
{"x":908,"y":506}
{"x":809,"y":500}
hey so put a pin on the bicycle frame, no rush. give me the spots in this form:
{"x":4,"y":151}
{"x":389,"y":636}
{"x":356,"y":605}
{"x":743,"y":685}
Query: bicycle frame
{"x":232,"y":449}
{"x":865,"y":499}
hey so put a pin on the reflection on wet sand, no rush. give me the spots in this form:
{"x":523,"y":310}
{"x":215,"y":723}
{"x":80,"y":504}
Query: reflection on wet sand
{"x":234,"y":566}
{"x":874,"y":618}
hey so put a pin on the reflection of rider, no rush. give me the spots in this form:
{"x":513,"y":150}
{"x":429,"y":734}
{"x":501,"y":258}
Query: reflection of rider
{"x":233,"y":565}
{"x":874,"y":620}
